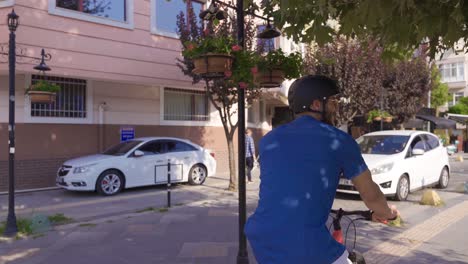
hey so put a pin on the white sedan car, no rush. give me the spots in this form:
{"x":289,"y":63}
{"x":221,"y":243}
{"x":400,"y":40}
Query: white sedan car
{"x":402,"y":161}
{"x":138,"y":162}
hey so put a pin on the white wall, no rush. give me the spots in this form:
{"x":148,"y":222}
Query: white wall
{"x":19,"y":98}
{"x":126,"y":103}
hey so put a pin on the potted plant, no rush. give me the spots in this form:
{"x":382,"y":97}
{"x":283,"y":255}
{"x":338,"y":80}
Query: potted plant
{"x":373,"y":115}
{"x":276,"y":66}
{"x":244,"y":69}
{"x":377,"y":115}
{"x":43,"y":92}
{"x":211,"y":55}
{"x":387,"y":117}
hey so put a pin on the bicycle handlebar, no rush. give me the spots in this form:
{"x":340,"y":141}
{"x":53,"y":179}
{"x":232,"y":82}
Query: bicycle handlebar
{"x":367,"y":214}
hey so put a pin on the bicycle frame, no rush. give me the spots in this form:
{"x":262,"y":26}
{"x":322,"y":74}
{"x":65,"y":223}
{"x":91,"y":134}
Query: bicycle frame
{"x":354,"y":256}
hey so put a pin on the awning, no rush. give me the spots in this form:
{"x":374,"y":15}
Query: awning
{"x":441,"y":123}
{"x":275,"y":98}
{"x":462,"y":119}
{"x":414,"y":123}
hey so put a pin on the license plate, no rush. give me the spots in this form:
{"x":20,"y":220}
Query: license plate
{"x":346,"y":182}
{"x":60,"y":180}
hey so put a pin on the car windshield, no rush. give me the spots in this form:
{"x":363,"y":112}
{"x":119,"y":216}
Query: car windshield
{"x":122,"y":148}
{"x":382,"y":144}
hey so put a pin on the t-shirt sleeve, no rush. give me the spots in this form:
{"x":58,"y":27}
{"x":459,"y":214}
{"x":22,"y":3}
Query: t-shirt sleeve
{"x":352,"y":163}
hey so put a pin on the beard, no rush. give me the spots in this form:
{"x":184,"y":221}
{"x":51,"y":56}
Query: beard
{"x":329,"y":117}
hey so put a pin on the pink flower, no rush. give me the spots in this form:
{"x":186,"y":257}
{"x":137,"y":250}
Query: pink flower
{"x":228,"y":74}
{"x":190,"y":46}
{"x":236,"y":48}
{"x":254,"y":70}
{"x":242,"y":85}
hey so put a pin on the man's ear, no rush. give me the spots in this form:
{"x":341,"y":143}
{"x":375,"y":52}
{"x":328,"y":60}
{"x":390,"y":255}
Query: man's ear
{"x":316,"y":105}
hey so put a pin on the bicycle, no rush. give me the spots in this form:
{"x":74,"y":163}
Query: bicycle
{"x":354,"y":256}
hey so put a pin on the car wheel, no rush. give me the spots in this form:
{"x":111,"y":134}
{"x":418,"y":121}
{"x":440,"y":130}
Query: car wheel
{"x":403,"y":188}
{"x":110,"y":182}
{"x":444,"y":178}
{"x":197,"y":175}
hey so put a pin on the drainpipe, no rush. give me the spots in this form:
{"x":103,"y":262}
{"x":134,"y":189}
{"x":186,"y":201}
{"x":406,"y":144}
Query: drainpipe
{"x":102,"y":107}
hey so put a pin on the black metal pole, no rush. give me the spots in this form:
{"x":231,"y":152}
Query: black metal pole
{"x":242,"y":255}
{"x":11,"y":227}
{"x":168,"y":183}
{"x":381,"y":108}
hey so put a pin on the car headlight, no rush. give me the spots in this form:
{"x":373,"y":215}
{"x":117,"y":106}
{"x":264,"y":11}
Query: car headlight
{"x":382,"y":169}
{"x":83,"y":169}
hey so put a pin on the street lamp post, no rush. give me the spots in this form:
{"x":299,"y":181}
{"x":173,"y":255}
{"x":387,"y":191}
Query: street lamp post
{"x":11,"y":227}
{"x":242,"y":255}
{"x":270,"y":32}
{"x":13,"y":21}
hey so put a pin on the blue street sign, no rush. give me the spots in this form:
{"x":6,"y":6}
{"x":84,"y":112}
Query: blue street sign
{"x":127,"y":133}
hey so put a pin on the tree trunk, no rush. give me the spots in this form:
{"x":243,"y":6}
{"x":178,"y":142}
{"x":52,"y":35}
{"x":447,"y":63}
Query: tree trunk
{"x":232,"y":165}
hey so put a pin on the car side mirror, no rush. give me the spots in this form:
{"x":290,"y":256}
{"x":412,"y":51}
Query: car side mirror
{"x":138,"y":153}
{"x":418,"y":152}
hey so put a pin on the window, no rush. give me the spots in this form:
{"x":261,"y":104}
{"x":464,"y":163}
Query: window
{"x":452,"y":72}
{"x":115,"y":9}
{"x":418,"y":143}
{"x":382,"y":145}
{"x":185,"y":105}
{"x":264,"y":45}
{"x":251,"y":113}
{"x":262,"y":111}
{"x":70,"y":101}
{"x":164,"y":15}
{"x":177,"y":146}
{"x":122,"y":148}
{"x":455,"y":98}
{"x":5,"y":3}
{"x":152,"y":148}
{"x":431,"y":141}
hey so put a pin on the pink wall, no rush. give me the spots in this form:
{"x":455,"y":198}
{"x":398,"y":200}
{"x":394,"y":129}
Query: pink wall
{"x":91,"y":50}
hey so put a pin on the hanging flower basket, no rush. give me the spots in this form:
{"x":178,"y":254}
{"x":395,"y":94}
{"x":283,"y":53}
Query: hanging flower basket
{"x":43,"y":92}
{"x":388,"y":119}
{"x":271,"y":78}
{"x":42,"y":97}
{"x":378,"y":118}
{"x":276,"y":66}
{"x":212,"y":65}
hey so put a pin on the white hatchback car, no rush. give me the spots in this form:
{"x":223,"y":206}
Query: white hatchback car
{"x":402,"y":161}
{"x":138,"y":162}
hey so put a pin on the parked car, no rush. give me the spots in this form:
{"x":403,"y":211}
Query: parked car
{"x":138,"y":162}
{"x":402,"y":161}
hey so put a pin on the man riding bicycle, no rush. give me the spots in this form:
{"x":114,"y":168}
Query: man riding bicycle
{"x":301,"y":165}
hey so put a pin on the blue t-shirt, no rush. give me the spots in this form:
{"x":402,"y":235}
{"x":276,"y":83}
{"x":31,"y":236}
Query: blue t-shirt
{"x":300,"y":167}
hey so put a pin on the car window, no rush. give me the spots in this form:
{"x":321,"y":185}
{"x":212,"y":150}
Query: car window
{"x":431,"y":141}
{"x":382,"y":144}
{"x":418,"y":143}
{"x":152,"y":148}
{"x":121,"y":148}
{"x":178,"y":146}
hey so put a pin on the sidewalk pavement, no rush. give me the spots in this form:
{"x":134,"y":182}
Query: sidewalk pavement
{"x":204,"y":230}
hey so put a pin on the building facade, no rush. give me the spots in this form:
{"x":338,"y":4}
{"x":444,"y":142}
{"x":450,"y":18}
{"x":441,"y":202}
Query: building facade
{"x":115,"y":62}
{"x":453,"y":67}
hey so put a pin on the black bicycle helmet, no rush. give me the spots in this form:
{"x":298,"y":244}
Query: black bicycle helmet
{"x":306,"y":89}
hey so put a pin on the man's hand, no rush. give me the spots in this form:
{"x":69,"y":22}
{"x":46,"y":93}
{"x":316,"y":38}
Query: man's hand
{"x":374,"y":198}
{"x":394,"y":214}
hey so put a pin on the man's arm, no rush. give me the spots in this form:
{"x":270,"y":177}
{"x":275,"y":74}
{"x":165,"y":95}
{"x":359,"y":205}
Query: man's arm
{"x":373,"y":197}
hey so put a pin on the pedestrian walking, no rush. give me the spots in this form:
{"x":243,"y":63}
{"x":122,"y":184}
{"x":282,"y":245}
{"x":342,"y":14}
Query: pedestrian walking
{"x":249,"y":153}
